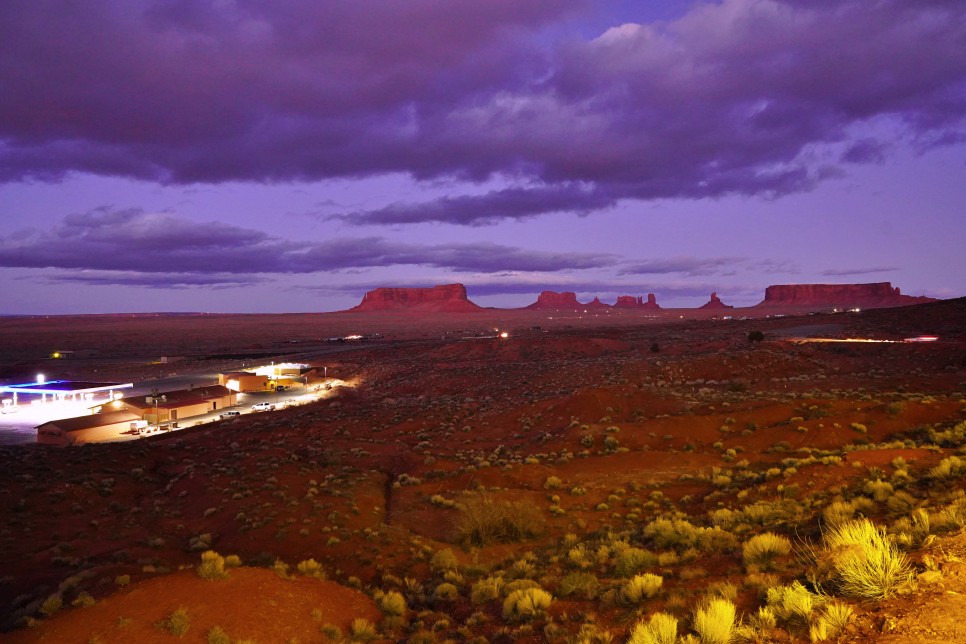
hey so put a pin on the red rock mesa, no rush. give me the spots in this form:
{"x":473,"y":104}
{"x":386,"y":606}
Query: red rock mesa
{"x":449,"y":298}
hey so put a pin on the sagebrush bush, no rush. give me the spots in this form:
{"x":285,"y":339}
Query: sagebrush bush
{"x":443,"y":560}
{"x":661,"y":628}
{"x":579,"y":583}
{"x":641,"y":587}
{"x":486,"y":590}
{"x":212,"y":566}
{"x":177,"y":623}
{"x":526,"y":603}
{"x":362,"y":630}
{"x":865,"y":562}
{"x":391,"y":603}
{"x":634,"y":560}
{"x":311,"y":568}
{"x":217,"y":635}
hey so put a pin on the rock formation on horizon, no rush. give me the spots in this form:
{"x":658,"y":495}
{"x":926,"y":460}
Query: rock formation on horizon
{"x":715,"y":303}
{"x":631,"y":302}
{"x":553,"y":301}
{"x":869,"y":296}
{"x":596,"y":304}
{"x":448,"y":298}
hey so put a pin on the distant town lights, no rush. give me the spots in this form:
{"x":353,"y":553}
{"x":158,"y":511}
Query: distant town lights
{"x":41,"y":379}
{"x":504,"y":335}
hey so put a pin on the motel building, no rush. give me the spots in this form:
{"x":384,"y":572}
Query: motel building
{"x":174,"y":406}
{"x":244,"y":381}
{"x":93,"y":428}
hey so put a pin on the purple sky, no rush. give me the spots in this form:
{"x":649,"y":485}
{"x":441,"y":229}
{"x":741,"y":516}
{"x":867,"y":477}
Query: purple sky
{"x":288,"y":155}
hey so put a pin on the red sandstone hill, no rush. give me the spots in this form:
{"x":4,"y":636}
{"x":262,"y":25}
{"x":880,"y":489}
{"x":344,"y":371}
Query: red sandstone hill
{"x":867,"y":296}
{"x":448,"y":298}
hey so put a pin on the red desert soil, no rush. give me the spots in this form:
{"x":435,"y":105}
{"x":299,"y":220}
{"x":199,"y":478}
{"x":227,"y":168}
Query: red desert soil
{"x":251,"y":604}
{"x":596,"y":425}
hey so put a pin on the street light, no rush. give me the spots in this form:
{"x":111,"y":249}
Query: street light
{"x":155,"y":398}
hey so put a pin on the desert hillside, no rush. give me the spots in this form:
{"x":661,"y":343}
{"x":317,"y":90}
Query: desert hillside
{"x":597,"y":480}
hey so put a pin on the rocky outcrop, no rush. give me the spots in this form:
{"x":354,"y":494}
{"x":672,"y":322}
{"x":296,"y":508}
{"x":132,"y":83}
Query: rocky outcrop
{"x":867,"y":296}
{"x":596,"y":304}
{"x":631,"y":302}
{"x":715,"y":303}
{"x":449,"y":298}
{"x":553,"y":301}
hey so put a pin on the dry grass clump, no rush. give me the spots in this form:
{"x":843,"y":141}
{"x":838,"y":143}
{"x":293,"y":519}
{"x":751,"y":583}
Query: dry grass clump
{"x":641,"y":587}
{"x":212,"y":566}
{"x":526,"y":603}
{"x":483,"y":521}
{"x":660,"y":629}
{"x":715,"y":622}
{"x":865,"y":563}
{"x":762,"y":549}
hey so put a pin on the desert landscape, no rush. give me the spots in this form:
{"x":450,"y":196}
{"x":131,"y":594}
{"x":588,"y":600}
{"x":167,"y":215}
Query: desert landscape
{"x":590,"y":477}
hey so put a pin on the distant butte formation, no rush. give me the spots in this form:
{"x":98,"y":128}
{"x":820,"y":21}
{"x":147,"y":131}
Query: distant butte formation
{"x":715,"y":303}
{"x":451,"y":298}
{"x":868,"y":296}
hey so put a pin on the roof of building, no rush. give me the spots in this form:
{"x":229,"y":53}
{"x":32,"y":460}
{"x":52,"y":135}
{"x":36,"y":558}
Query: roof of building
{"x":64,"y":387}
{"x":180,"y":397}
{"x":93,"y":420}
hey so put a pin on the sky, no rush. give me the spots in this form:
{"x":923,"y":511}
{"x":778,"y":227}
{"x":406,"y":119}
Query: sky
{"x":290,"y":155}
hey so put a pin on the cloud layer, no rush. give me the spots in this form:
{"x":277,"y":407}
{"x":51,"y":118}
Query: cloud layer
{"x":164,"y":244}
{"x":760,"y":97}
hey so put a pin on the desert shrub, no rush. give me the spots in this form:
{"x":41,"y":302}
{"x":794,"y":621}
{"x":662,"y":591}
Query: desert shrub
{"x":212,"y":566}
{"x":122,"y":580}
{"x":660,"y":629}
{"x":177,"y":623}
{"x":392,"y":603}
{"x":362,"y":630}
{"x":671,"y":533}
{"x":793,"y":604}
{"x":518,"y":584}
{"x":756,"y":336}
{"x":483,"y":521}
{"x":865,"y":563}
{"x":443,"y":560}
{"x":526,"y":604}
{"x":633,"y":560}
{"x":83,"y":600}
{"x":486,"y":590}
{"x":446,"y":592}
{"x":311,"y":568}
{"x":641,"y":587}
{"x":950,"y":467}
{"x":878,"y":490}
{"x":51,"y":605}
{"x":579,"y":583}
{"x":715,"y":622}
{"x":553,"y":483}
{"x":831,"y":623}
{"x":762,"y":549}
{"x":232,"y":561}
{"x":217,"y":635}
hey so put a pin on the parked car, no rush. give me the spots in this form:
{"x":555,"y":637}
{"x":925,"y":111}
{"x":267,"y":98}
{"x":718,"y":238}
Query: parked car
{"x":263,"y":406}
{"x":229,"y":414}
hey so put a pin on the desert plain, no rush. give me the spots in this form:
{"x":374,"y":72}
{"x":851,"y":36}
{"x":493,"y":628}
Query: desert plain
{"x":588,"y":478}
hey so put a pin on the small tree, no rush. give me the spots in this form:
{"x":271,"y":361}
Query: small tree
{"x":756,"y":336}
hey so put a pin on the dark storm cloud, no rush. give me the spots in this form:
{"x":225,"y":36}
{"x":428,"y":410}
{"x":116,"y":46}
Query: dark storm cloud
{"x":691,"y":266}
{"x":731,"y":98}
{"x":131,"y":240}
{"x":151,"y":280}
{"x":841,"y":272}
{"x":510,"y":203}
